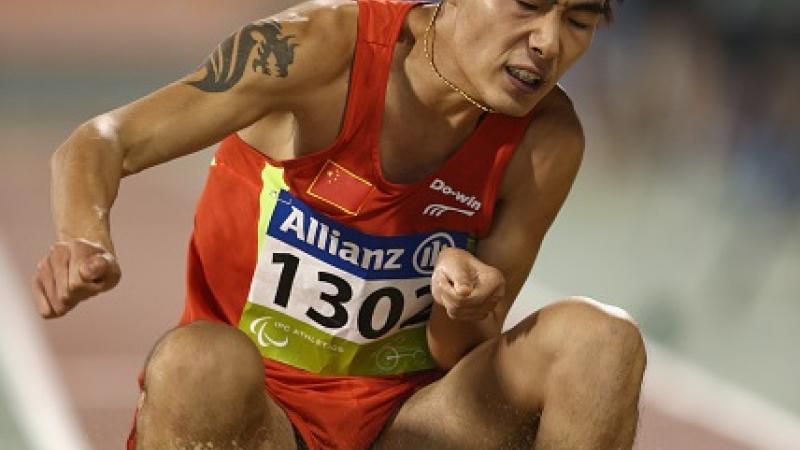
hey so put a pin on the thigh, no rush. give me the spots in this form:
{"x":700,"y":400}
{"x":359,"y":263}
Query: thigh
{"x":476,"y":405}
{"x":278,"y":432}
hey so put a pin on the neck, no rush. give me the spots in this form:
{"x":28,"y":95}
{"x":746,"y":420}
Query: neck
{"x":435,"y":94}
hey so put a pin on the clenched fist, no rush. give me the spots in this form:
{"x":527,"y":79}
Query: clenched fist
{"x":72,"y":272}
{"x":467,"y":288}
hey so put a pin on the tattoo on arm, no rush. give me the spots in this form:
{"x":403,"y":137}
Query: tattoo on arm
{"x":258,"y":41}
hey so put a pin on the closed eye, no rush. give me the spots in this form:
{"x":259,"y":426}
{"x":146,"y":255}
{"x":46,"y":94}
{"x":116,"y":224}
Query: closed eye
{"x":527,"y":6}
{"x":578,"y":25}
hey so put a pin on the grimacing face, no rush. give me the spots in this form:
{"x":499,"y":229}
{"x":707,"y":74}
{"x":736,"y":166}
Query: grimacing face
{"x":511,"y":53}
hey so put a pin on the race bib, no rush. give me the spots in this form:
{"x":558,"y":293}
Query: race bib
{"x":331,"y":299}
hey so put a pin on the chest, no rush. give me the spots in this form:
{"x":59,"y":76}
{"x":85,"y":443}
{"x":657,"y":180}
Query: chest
{"x":410,"y":141}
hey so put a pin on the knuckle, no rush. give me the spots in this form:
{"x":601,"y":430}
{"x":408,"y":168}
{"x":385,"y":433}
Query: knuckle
{"x":42,"y":266}
{"x":61,"y":306}
{"x":64,"y":300}
{"x":74,"y":285}
{"x":451,"y":300}
{"x":454,"y":310}
{"x":39,"y":298}
{"x":58,"y":251}
{"x":447,"y":252}
{"x":96,"y":288}
{"x":57,"y":307}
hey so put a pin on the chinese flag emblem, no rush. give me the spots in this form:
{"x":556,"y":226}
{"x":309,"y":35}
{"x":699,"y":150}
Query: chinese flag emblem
{"x":341,"y":188}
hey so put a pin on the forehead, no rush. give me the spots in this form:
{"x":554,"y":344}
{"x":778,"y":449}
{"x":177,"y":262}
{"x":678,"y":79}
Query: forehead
{"x":598,"y":6}
{"x":591,"y":6}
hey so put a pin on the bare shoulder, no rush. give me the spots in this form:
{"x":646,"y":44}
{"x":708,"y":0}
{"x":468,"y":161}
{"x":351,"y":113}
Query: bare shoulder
{"x":548,"y":158}
{"x":283,"y":54}
{"x":555,"y":127}
{"x":327,"y":28}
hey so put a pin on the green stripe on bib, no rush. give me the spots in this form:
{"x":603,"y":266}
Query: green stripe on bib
{"x":298,"y":344}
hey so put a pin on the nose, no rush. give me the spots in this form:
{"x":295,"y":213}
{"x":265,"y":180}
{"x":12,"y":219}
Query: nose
{"x":544,"y":39}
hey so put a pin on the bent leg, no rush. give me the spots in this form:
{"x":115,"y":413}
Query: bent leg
{"x":204,"y":385}
{"x":567,"y":377}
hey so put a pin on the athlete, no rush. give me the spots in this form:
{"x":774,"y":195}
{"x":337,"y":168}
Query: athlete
{"x":386,"y":174}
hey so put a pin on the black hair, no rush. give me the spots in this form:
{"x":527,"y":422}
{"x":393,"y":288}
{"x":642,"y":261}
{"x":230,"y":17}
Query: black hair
{"x":609,"y":10}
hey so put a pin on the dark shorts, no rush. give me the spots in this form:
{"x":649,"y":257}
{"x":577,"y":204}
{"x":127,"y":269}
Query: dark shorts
{"x":301,"y":444}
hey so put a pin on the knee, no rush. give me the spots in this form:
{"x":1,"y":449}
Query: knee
{"x":203,"y":364}
{"x":590,"y":333}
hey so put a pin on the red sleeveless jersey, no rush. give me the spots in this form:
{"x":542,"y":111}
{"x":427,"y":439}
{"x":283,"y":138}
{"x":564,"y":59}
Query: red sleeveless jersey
{"x":326,"y":265}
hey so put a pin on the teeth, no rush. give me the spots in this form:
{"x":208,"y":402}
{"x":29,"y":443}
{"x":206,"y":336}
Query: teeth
{"x":525,"y":75}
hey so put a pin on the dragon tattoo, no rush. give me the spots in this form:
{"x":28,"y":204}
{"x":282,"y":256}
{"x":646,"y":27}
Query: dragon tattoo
{"x":227,"y":64}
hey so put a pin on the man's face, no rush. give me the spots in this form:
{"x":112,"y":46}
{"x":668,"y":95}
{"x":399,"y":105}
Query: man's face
{"x":512,"y":52}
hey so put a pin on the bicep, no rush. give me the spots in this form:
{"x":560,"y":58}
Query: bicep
{"x":174,"y":121}
{"x":265,"y":66}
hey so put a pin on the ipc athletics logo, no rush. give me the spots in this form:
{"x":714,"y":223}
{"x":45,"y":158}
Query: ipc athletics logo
{"x":258,"y":328}
{"x":428,"y":250}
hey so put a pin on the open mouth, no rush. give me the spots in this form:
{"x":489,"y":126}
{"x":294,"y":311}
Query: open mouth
{"x":530,"y":79}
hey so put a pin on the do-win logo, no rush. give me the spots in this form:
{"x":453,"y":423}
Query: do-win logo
{"x":428,"y":251}
{"x":437,"y":209}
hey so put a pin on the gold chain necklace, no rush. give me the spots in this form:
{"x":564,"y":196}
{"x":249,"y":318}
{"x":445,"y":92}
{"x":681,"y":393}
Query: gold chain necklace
{"x":436,"y":71}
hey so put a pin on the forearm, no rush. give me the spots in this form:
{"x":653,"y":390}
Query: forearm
{"x":85,"y":176}
{"x":449,"y":339}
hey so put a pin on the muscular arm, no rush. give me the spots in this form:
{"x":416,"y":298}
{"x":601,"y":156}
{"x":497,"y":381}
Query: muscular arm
{"x":535,"y":186}
{"x":268,"y":66}
{"x":264,"y":67}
